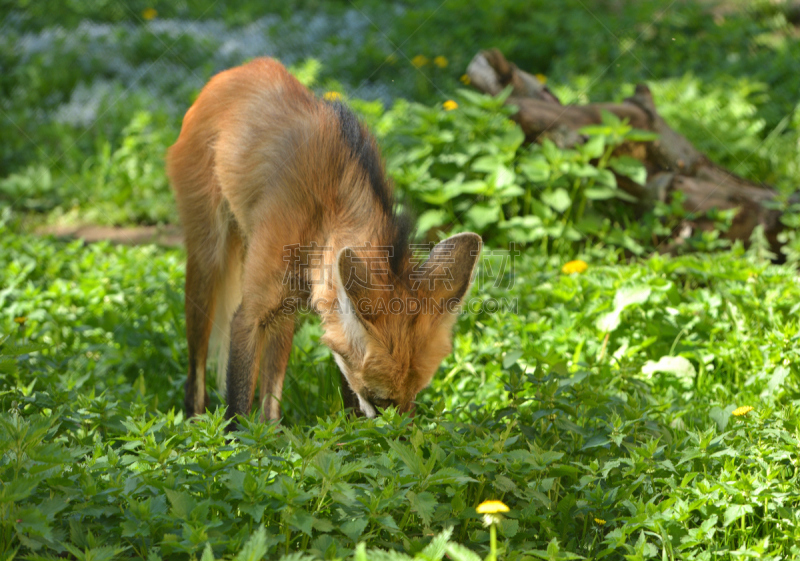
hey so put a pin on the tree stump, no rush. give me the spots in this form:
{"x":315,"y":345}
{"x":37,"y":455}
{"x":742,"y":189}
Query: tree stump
{"x":673,"y":164}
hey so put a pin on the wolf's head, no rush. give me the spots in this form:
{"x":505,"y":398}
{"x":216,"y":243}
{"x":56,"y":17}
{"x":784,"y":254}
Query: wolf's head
{"x":389,"y":333}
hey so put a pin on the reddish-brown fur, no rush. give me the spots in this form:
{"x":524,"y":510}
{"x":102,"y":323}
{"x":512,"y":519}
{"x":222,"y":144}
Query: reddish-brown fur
{"x":261,"y":166}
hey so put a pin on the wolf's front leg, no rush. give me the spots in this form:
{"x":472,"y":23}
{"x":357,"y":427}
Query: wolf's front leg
{"x":243,"y":362}
{"x":277,"y":348}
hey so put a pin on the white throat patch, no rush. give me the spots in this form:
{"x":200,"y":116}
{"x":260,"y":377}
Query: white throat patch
{"x":367,"y":407}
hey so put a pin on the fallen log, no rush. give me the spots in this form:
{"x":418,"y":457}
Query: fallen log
{"x":673,"y":164}
{"x":166,"y":236}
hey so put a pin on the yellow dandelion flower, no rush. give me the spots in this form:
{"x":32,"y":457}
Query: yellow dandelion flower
{"x":20,"y":320}
{"x":741,"y":411}
{"x":542,"y":78}
{"x":149,"y":13}
{"x":332,"y":96}
{"x":599,"y":521}
{"x":576,"y":266}
{"x":449,"y":105}
{"x":491,"y":518}
{"x":491,"y":507}
{"x":440,"y":61}
{"x":465,"y":80}
{"x":419,"y":61}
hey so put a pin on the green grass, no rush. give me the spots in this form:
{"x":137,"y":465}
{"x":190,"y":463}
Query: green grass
{"x":597,"y":406}
{"x":559,"y":410}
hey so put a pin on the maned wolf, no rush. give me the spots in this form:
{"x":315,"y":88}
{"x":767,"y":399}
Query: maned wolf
{"x":276,"y":189}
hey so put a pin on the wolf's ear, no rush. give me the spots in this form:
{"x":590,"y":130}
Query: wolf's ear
{"x":447,"y":274}
{"x":353,"y":286}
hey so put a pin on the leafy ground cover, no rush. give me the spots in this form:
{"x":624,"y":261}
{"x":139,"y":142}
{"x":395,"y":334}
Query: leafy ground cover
{"x":91,"y":95}
{"x":599,"y":406}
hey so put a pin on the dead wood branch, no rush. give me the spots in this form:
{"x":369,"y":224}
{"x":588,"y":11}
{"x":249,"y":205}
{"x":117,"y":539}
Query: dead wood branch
{"x":672,"y":162}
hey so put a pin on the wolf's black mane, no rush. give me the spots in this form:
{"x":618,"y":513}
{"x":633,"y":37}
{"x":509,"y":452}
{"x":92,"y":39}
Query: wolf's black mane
{"x":364,"y":149}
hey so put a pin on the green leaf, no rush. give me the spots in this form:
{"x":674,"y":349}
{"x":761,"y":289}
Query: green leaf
{"x":524,"y":229}
{"x":452,"y":189}
{"x":361,"y":553}
{"x":678,"y":366}
{"x":721,"y":416}
{"x":735,"y":512}
{"x":208,"y":554}
{"x":323,"y":525}
{"x":33,"y":522}
{"x":436,"y":198}
{"x":609,"y":322}
{"x":505,"y":485}
{"x":458,"y":552}
{"x":431,"y":219}
{"x":535,"y":169}
{"x":594,"y":147}
{"x":306,"y":72}
{"x":487,"y":164}
{"x":408,"y":456}
{"x":423,"y":504}
{"x":554,"y":552}
{"x":600,"y":439}
{"x":182,"y":503}
{"x":628,"y":296}
{"x":624,"y":196}
{"x":509,"y":527}
{"x":301,"y":520}
{"x":481,"y":215}
{"x":600,"y":193}
{"x":448,"y":476}
{"x":104,"y":553}
{"x":596,"y":130}
{"x":629,"y":167}
{"x":256,"y":547}
{"x":19,"y":489}
{"x":639,"y":135}
{"x":435,"y":550}
{"x":558,"y":199}
{"x":255,"y":510}
{"x":577,"y":169}
{"x":298,"y":556}
{"x":606,"y":178}
{"x":621,"y":239}
{"x":624,"y":297}
{"x":511,"y":358}
{"x":708,"y":524}
{"x":688,"y":478}
{"x":503,"y":95}
{"x":388,"y":523}
{"x":503,"y":177}
{"x":777,"y":379}
{"x":354,"y":528}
